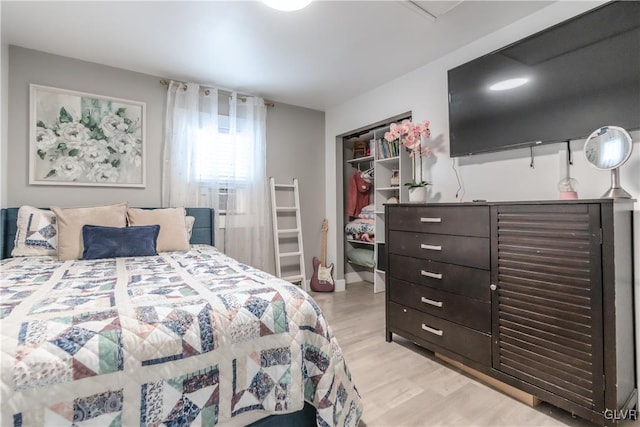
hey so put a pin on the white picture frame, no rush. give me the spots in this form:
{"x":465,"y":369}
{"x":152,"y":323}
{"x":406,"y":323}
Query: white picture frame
{"x":84,"y":139}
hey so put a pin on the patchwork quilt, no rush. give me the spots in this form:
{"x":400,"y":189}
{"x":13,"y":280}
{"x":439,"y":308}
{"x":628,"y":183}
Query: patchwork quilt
{"x":361,"y":226}
{"x":183,"y":338}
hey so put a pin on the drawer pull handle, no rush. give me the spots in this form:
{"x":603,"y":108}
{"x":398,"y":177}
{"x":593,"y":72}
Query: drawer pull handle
{"x":432,"y":275}
{"x":427,"y":219}
{"x":431,"y":247}
{"x":432,"y":302}
{"x":437,"y":332}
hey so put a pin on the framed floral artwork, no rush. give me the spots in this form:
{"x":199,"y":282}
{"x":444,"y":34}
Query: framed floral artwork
{"x":79,"y":138}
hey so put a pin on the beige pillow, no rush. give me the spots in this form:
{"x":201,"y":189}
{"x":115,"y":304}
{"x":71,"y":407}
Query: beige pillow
{"x":71,"y":220}
{"x":172,"y":221}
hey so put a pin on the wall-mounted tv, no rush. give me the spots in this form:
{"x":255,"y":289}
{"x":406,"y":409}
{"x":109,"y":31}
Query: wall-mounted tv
{"x":557,"y":85}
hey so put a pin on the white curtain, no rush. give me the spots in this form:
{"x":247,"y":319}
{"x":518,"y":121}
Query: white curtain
{"x":247,"y":233}
{"x":217,"y":159}
{"x":191,"y":115}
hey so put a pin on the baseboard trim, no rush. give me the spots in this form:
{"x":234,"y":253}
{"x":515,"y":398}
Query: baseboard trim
{"x":360,"y":276}
{"x":517,"y":394}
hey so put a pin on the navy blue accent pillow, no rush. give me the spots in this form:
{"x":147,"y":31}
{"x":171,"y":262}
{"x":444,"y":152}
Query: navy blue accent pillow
{"x":114,"y":242}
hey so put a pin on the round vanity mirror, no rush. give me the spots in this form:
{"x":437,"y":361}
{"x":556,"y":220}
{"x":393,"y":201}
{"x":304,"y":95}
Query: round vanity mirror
{"x":608,"y":148}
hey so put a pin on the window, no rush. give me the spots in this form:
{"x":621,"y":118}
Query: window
{"x":222,"y":157}
{"x":223,"y":167}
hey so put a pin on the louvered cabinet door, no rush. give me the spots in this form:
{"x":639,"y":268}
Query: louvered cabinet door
{"x":547,"y":301}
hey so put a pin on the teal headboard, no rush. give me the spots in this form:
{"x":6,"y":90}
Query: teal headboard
{"x":203,"y":228}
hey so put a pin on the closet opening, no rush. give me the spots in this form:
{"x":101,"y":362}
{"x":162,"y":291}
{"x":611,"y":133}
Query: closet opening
{"x":373,"y":171}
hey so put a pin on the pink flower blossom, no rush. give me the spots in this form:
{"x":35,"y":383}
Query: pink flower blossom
{"x":389,"y":136}
{"x":411,"y":142}
{"x":411,"y":135}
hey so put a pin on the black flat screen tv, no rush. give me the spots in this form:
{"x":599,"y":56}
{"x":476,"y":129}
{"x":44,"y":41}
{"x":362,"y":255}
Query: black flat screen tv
{"x":575,"y":77}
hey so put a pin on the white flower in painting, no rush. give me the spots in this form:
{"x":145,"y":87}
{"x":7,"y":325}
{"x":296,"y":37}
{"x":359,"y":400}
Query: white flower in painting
{"x":73,"y":134}
{"x":122,"y":142}
{"x":95,"y":151}
{"x":45,"y":139}
{"x":112,"y":124}
{"x":104,"y":172}
{"x":68,"y":168}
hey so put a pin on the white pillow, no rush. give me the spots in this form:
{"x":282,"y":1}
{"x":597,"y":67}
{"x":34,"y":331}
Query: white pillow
{"x":188,"y":222}
{"x":37,"y":233}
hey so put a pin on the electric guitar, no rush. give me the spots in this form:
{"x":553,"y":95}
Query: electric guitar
{"x":322,"y":280}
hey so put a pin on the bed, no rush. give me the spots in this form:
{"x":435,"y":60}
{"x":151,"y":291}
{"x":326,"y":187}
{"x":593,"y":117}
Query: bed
{"x":182,"y":338}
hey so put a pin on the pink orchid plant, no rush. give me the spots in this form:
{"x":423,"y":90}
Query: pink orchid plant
{"x":411,"y":135}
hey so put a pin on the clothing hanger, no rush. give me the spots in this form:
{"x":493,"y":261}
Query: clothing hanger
{"x":367,"y":174}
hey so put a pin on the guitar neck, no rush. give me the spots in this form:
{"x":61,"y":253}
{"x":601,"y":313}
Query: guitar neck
{"x":323,"y":249}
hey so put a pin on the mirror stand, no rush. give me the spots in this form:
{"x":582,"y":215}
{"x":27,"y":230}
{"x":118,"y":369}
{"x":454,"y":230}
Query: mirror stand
{"x":616,"y":192}
{"x":607,"y":148}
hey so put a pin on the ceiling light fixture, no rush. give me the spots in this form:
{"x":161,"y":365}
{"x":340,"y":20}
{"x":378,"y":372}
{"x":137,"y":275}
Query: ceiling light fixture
{"x":509,"y":84}
{"x":287,"y":5}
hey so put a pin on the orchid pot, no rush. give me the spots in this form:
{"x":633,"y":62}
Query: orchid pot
{"x":417,"y":194}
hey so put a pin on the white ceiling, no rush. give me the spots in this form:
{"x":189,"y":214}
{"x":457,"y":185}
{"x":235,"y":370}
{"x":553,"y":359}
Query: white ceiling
{"x":317,"y":57}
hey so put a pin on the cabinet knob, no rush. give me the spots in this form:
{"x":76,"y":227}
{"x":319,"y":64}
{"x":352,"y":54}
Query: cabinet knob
{"x":493,"y":287}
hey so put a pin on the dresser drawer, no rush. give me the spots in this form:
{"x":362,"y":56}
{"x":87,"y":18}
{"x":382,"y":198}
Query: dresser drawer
{"x":467,"y":251}
{"x":456,"y":308}
{"x":467,"y":342}
{"x":457,"y":220}
{"x":466,"y":281}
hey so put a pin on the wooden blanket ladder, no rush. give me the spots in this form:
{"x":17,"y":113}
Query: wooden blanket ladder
{"x":287,"y":232}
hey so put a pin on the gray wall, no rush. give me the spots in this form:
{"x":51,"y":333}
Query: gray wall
{"x":29,"y":66}
{"x":4,"y":119}
{"x":295,"y":138}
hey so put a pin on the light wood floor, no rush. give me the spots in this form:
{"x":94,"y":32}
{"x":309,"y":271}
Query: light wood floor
{"x":402,"y":384}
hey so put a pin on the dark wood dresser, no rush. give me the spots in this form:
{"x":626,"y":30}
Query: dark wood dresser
{"x":537,"y":295}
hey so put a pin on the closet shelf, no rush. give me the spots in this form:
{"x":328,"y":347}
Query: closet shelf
{"x":361,"y":160}
{"x":394,"y":159}
{"x":361,"y":242}
{"x":357,"y":263}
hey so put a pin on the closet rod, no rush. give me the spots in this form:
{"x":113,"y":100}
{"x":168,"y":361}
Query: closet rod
{"x":366,"y":131}
{"x":377,"y":127}
{"x":165,"y":82}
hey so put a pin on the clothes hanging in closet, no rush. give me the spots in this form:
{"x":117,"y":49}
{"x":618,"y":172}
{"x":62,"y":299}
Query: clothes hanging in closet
{"x":358,"y":196}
